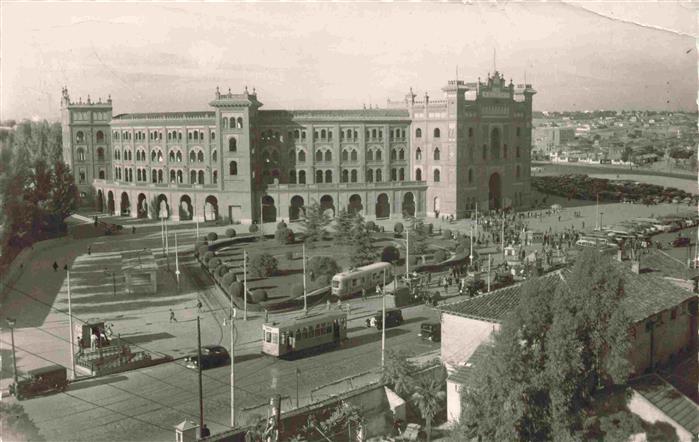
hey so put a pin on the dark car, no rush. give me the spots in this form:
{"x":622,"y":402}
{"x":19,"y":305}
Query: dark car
{"x":681,"y":241}
{"x":51,"y":379}
{"x":394,"y":317}
{"x":432,"y":331}
{"x":211,"y":356}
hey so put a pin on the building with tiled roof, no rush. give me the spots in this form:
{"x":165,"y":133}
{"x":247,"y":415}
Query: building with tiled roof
{"x":238,"y":162}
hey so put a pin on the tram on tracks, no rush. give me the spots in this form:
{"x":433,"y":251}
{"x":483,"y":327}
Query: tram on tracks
{"x":351,"y":282}
{"x":297,"y":335}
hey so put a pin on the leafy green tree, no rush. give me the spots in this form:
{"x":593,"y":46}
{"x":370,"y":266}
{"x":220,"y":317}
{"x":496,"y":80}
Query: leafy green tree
{"x":315,"y":223}
{"x":322,"y":266}
{"x":398,"y":371}
{"x":364,"y":251}
{"x":262,"y":265}
{"x":418,"y":237}
{"x":429,"y":397}
{"x":64,"y":197}
{"x":343,"y":227}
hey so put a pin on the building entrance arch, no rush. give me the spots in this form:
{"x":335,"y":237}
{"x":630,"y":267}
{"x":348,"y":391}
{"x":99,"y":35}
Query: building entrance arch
{"x":125,"y":206}
{"x":100,"y":201}
{"x":110,"y":202}
{"x":269,"y":211}
{"x":185,"y":209}
{"x":355,"y":204}
{"x":327,"y":205}
{"x":296,"y":211}
{"x":383,"y":208}
{"x":408,"y":204}
{"x":163,"y":207}
{"x":142,"y":206}
{"x":494,"y":191}
{"x":210,"y":208}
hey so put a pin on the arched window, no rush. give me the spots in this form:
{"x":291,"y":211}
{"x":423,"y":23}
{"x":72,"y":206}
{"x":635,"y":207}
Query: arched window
{"x":349,"y":133}
{"x":101,"y":174}
{"x":215,"y":176}
{"x":436,"y":132}
{"x":100,"y":154}
{"x":224,"y":123}
{"x":319,"y":155}
{"x":214,"y":156}
{"x":418,"y":154}
{"x":401,"y":174}
{"x":192,"y":177}
{"x":292,"y":176}
{"x":401,"y":154}
{"x":378,"y":175}
{"x":470,"y":132}
{"x":233,"y":168}
{"x":517,"y":152}
{"x":319,"y":176}
{"x":232,"y":125}
{"x":345,"y":155}
{"x":200,"y":156}
{"x":330,"y":134}
{"x":213,"y":135}
{"x":99,"y":136}
{"x":171,"y":157}
{"x":435,"y":154}
{"x":240,"y":123}
{"x":436,"y":176}
{"x":418,"y":133}
{"x":394,"y":175}
{"x":302,"y":177}
{"x":80,"y":137}
{"x":189,"y":134}
{"x":192,"y":156}
{"x":154,"y":176}
{"x":378,"y":154}
{"x":485,"y":152}
{"x":81,"y":154}
{"x":179,"y":135}
{"x":373,"y":133}
{"x":369,"y":176}
{"x":130,"y":155}
{"x":200,"y":177}
{"x":470,"y":176}
{"x":345,"y":176}
{"x":394,"y":154}
{"x":353,"y":176}
{"x":418,"y":174}
{"x":178,"y":156}
{"x":328,"y":176}
{"x":196,"y":134}
{"x":328,"y":155}
{"x":172,"y":176}
{"x":353,"y":155}
{"x":232,"y":145}
{"x":117,"y":154}
{"x":504,"y":151}
{"x":517,"y":172}
{"x":495,"y":144}
{"x":323,"y":134}
{"x":370,"y":155}
{"x":302,"y":156}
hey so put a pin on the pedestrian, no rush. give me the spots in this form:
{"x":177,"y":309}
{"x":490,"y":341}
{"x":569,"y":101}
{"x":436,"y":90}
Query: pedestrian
{"x":446,"y":286}
{"x":93,"y":341}
{"x":172,"y":316}
{"x":378,"y":289}
{"x":266,"y":315}
{"x":133,"y":230}
{"x":363,"y":294}
{"x":327,"y":304}
{"x":199,"y":305}
{"x":89,"y":250}
{"x":55,"y":266}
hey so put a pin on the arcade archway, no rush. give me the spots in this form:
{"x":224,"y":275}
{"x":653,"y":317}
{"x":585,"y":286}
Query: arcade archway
{"x":110,"y":202}
{"x":269,"y":211}
{"x":355,"y":204}
{"x":185,"y":210}
{"x":327,"y":205}
{"x":383,"y":208}
{"x":210,"y":208}
{"x":494,"y":192}
{"x":142,"y":206}
{"x":125,"y":206}
{"x":296,"y":208}
{"x":100,"y":201}
{"x":408,"y":204}
{"x":163,"y":207}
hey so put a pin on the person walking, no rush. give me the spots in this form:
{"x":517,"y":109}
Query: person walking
{"x":172,"y":316}
{"x":89,"y":250}
{"x":199,"y":305}
{"x":363,"y":294}
{"x":55,"y":266}
{"x":93,"y":341}
{"x":266,"y":315}
{"x":327,"y":304}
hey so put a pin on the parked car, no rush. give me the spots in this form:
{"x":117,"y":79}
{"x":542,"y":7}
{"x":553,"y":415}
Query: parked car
{"x":211,"y":356}
{"x":432,"y":331}
{"x":680,"y":241}
{"x":51,"y":379}
{"x":394,"y":318}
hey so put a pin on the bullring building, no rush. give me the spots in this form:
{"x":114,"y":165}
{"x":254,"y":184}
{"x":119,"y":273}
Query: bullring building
{"x":238,"y":162}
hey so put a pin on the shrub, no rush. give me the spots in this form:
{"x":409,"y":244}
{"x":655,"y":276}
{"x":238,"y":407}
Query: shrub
{"x":281,"y":225}
{"x":236,"y":289}
{"x":207,"y":257}
{"x":289,"y":255}
{"x":228,"y":278}
{"x":214,"y":263}
{"x":262,"y":265}
{"x":440,"y":256}
{"x":398,"y":228}
{"x":212,"y":236}
{"x":284,"y":235}
{"x":390,"y":254}
{"x":371,"y":226}
{"x":221,"y":270}
{"x":446,"y":234}
{"x":258,"y":296}
{"x":319,"y":282}
{"x":253,"y":228}
{"x":230,"y":233}
{"x":322,"y":266}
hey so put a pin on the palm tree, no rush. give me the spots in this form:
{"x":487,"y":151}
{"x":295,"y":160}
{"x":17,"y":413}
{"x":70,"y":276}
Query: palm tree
{"x":428,"y":396}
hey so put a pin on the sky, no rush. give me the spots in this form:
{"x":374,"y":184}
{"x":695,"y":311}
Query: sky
{"x":171,"y":56}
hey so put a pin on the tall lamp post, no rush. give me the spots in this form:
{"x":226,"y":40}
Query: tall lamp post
{"x":113,"y":275}
{"x":11,"y":322}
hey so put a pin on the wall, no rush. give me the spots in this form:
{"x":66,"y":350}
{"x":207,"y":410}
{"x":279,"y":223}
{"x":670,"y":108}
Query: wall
{"x":453,"y":401}
{"x":461,"y":336}
{"x":640,"y":406}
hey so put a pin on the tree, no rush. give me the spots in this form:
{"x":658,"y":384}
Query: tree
{"x":154,"y":208}
{"x":418,"y":237}
{"x":283,"y":234}
{"x":315,"y":222}
{"x":363,"y":251}
{"x":429,"y":396}
{"x":343,"y":227}
{"x":262,"y":265}
{"x":398,"y":371}
{"x":17,"y":425}
{"x":322,"y":266}
{"x":390,"y":254}
{"x":398,"y":228}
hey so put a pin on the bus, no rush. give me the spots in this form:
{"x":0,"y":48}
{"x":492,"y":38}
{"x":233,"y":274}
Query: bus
{"x":351,"y":282}
{"x":296,"y":335}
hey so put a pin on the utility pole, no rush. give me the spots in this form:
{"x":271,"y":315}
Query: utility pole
{"x":305,"y":304}
{"x":245,"y":285}
{"x":12,"y":322}
{"x":262,"y":229}
{"x":597,"y":213}
{"x":298,"y":373}
{"x":162,"y":233}
{"x":489,"y":275}
{"x":232,"y":366}
{"x":167,"y":247}
{"x":177,"y":264}
{"x":201,"y":390}
{"x":196,"y":218}
{"x":383,"y":320}
{"x":502,"y":234}
{"x":470,"y":254}
{"x":407,"y":256}
{"x":70,"y":324}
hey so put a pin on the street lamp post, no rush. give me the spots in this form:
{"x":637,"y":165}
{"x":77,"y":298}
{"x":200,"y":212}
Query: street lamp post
{"x":11,"y":323}
{"x":113,"y":275}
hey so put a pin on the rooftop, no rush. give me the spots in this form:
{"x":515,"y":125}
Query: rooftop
{"x":166,"y":116}
{"x":337,"y":114}
{"x":669,"y":401}
{"x":659,"y":262}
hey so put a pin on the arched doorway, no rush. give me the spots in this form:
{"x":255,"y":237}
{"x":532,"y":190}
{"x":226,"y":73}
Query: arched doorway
{"x":163,"y":207}
{"x":296,"y":211}
{"x":269,"y":211}
{"x":110,"y":202}
{"x":125,"y":207}
{"x":408,"y":204}
{"x":494,"y":192}
{"x":495,"y":144}
{"x":327,"y":205}
{"x":99,"y":202}
{"x":142,"y":206}
{"x":210,"y":208}
{"x":383,"y":209}
{"x":355,"y":204}
{"x":186,"y":212}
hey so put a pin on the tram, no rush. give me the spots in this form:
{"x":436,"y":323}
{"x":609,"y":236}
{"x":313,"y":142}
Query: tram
{"x":292,"y":336}
{"x":346,"y":284}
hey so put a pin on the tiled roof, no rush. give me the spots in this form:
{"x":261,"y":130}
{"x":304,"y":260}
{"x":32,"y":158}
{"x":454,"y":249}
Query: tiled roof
{"x":337,"y":114}
{"x":464,"y":374}
{"x":658,"y":261}
{"x":646,"y":295}
{"x":496,"y":305}
{"x":166,"y":115}
{"x":670,"y":401}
